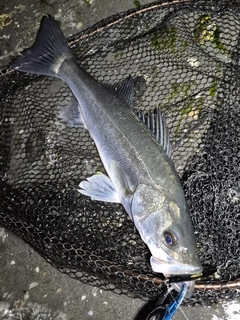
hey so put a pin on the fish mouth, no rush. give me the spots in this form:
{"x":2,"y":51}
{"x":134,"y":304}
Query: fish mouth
{"x":174,"y":267}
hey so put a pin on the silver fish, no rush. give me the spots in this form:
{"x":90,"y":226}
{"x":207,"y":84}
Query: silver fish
{"x":141,"y":174}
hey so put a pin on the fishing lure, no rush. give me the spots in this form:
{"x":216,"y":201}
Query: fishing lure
{"x":166,"y":312}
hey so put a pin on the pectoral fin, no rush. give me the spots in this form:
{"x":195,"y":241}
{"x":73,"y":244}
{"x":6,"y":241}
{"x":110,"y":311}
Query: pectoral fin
{"x":119,"y":180}
{"x":99,"y":187}
{"x":122,"y":187}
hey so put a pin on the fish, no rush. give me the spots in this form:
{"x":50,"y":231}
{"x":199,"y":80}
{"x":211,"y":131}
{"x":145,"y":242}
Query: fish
{"x":136,"y":155}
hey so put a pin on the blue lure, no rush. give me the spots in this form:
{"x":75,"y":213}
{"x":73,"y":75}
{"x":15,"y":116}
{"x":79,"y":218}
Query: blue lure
{"x":166,"y":312}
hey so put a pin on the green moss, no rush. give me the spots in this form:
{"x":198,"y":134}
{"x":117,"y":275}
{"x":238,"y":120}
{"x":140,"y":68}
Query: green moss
{"x":181,"y":90}
{"x":200,"y":31}
{"x":216,"y":39}
{"x":207,"y":30}
{"x":219,"y":68}
{"x":168,"y":40}
{"x":213,"y":89}
{"x":191,"y":105}
{"x":88,"y":1}
{"x":187,"y":108}
{"x":165,"y":41}
{"x":137,"y":4}
{"x":100,"y":171}
{"x":185,"y":44}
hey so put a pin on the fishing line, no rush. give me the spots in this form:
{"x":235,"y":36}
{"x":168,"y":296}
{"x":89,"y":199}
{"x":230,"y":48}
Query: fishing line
{"x":180,"y":308}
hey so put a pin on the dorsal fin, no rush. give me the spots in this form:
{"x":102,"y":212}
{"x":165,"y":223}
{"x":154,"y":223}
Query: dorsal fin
{"x":130,"y":87}
{"x":125,"y":89}
{"x":156,"y":124}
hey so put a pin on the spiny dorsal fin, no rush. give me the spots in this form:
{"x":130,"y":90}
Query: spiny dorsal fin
{"x":156,"y":124}
{"x":125,"y":89}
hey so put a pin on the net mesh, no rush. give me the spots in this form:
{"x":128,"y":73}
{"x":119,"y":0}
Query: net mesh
{"x":188,"y":53}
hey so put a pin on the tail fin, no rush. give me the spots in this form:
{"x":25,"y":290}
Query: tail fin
{"x":48,"y":51}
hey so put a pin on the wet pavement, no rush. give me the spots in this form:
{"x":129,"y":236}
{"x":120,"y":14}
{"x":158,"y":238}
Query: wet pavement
{"x":30,"y":288}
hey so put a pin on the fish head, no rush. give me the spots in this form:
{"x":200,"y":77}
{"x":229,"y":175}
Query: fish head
{"x":165,"y":226}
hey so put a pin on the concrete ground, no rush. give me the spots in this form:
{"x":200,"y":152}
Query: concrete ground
{"x":29,"y":287}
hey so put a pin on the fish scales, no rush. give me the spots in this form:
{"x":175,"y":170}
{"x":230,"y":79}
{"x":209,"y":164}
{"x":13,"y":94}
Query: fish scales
{"x":105,"y":119}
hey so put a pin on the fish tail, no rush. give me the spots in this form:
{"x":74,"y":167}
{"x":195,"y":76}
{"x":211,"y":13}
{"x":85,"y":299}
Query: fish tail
{"x":47,"y":53}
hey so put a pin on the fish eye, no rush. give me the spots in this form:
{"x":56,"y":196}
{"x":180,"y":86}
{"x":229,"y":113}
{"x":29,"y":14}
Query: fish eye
{"x":170,"y":238}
